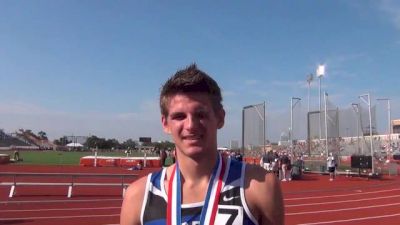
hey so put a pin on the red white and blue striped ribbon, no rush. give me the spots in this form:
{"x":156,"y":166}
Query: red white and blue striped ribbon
{"x":210,"y":207}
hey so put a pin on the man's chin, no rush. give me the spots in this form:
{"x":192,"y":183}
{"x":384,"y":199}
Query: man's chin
{"x":195,"y":151}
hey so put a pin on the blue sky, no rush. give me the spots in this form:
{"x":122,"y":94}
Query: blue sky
{"x":96,"y":67}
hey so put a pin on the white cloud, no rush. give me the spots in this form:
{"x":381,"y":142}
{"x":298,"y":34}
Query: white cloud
{"x":250,"y":82}
{"x":228,"y":93}
{"x":22,"y":108}
{"x":127,"y":116}
{"x":302,"y":84}
{"x":336,"y":65}
{"x":392,"y":9}
{"x":278,"y":83}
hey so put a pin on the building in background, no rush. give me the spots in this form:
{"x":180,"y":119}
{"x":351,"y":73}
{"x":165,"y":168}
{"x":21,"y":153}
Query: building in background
{"x":396,"y":126}
{"x":234,"y":144}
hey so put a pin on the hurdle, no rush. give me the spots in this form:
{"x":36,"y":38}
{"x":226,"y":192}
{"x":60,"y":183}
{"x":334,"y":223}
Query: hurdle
{"x":18,"y":180}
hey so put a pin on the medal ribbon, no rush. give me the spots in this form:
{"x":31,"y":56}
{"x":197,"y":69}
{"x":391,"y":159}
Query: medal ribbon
{"x":210,"y":207}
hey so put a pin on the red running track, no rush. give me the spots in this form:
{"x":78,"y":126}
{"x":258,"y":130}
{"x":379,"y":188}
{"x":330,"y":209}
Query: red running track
{"x":313,"y":200}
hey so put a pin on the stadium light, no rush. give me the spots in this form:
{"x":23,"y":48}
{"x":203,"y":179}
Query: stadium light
{"x":326,"y":123}
{"x":320,"y":73}
{"x":389,"y":126}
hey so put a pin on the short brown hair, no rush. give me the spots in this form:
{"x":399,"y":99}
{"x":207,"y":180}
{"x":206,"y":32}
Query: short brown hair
{"x":190,"y":80}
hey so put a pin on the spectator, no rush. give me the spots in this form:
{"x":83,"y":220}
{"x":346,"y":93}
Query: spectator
{"x":163,"y":157}
{"x":16,"y":155}
{"x":239,"y":157}
{"x":331,"y":164}
{"x":275,"y":163}
{"x":266,"y":161}
{"x":286,"y":167}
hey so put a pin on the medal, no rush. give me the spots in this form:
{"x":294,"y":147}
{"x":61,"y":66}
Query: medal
{"x":210,"y":207}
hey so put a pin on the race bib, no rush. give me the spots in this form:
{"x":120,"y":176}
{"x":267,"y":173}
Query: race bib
{"x":229,"y":215}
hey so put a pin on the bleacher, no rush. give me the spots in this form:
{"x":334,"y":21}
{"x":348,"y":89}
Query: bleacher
{"x":8,"y":141}
{"x":34,"y":140}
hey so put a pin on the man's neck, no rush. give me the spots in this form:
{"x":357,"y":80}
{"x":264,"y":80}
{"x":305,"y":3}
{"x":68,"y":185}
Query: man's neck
{"x":196,"y":169}
{"x":195,"y":176}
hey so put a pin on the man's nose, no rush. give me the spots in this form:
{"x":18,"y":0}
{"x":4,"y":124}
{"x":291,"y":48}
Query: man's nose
{"x":192,"y":122}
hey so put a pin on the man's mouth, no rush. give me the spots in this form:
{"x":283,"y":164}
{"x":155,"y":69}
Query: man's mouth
{"x":192,"y":137}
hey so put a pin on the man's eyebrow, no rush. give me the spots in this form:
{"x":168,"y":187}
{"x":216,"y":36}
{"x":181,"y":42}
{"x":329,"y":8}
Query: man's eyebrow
{"x":176,"y":114}
{"x":201,"y":110}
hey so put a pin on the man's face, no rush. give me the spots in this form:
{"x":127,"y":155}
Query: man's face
{"x":193,"y":123}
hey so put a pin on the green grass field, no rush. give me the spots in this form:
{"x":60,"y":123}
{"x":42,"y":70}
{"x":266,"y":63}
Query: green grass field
{"x":58,"y":157}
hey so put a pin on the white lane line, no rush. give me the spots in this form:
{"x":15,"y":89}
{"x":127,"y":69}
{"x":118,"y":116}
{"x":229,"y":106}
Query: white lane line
{"x":60,"y":200}
{"x":349,"y":220}
{"x":338,"y":202}
{"x":56,"y":217}
{"x":337,"y":210}
{"x":64,"y":209}
{"x":342,"y":195}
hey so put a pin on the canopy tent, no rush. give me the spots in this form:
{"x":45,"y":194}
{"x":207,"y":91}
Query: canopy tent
{"x":75,"y":145}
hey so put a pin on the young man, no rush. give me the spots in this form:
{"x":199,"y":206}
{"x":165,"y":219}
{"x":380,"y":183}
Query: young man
{"x":331,"y":164}
{"x":202,"y":187}
{"x":285,"y":167}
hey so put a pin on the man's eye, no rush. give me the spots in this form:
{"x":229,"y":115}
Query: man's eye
{"x":202,"y":115}
{"x":178,"y":117}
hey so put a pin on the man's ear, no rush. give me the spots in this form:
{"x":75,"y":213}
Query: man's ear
{"x":221,"y":118}
{"x":164,"y":123}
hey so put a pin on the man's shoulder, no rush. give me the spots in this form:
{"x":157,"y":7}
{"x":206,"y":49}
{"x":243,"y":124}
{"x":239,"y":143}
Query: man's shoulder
{"x":132,"y":203}
{"x":137,"y":187}
{"x":263,"y":194}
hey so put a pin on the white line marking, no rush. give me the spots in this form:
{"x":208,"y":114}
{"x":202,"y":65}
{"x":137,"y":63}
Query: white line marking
{"x":336,"y":210}
{"x":60,"y":200}
{"x":64,"y":209}
{"x":56,"y":217}
{"x":342,"y":195}
{"x":355,"y":219}
{"x":356,"y":200}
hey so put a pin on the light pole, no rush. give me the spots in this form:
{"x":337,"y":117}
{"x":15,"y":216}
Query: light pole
{"x":368,"y":102}
{"x":320,"y":73}
{"x":326,"y":124}
{"x":291,"y":121}
{"x":389,"y":126}
{"x":357,"y":111}
{"x":310,"y":78}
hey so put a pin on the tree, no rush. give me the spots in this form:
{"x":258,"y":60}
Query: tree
{"x":163,"y":145}
{"x":129,"y":144}
{"x":42,"y":135}
{"x":113,"y":144}
{"x":101,"y":143}
{"x":94,"y":142}
{"x":62,"y":141}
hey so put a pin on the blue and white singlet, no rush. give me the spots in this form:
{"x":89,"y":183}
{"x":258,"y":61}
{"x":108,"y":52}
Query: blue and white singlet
{"x":232,"y":207}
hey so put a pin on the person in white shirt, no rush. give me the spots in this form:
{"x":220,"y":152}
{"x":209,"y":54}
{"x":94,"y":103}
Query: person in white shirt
{"x":331,"y":164}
